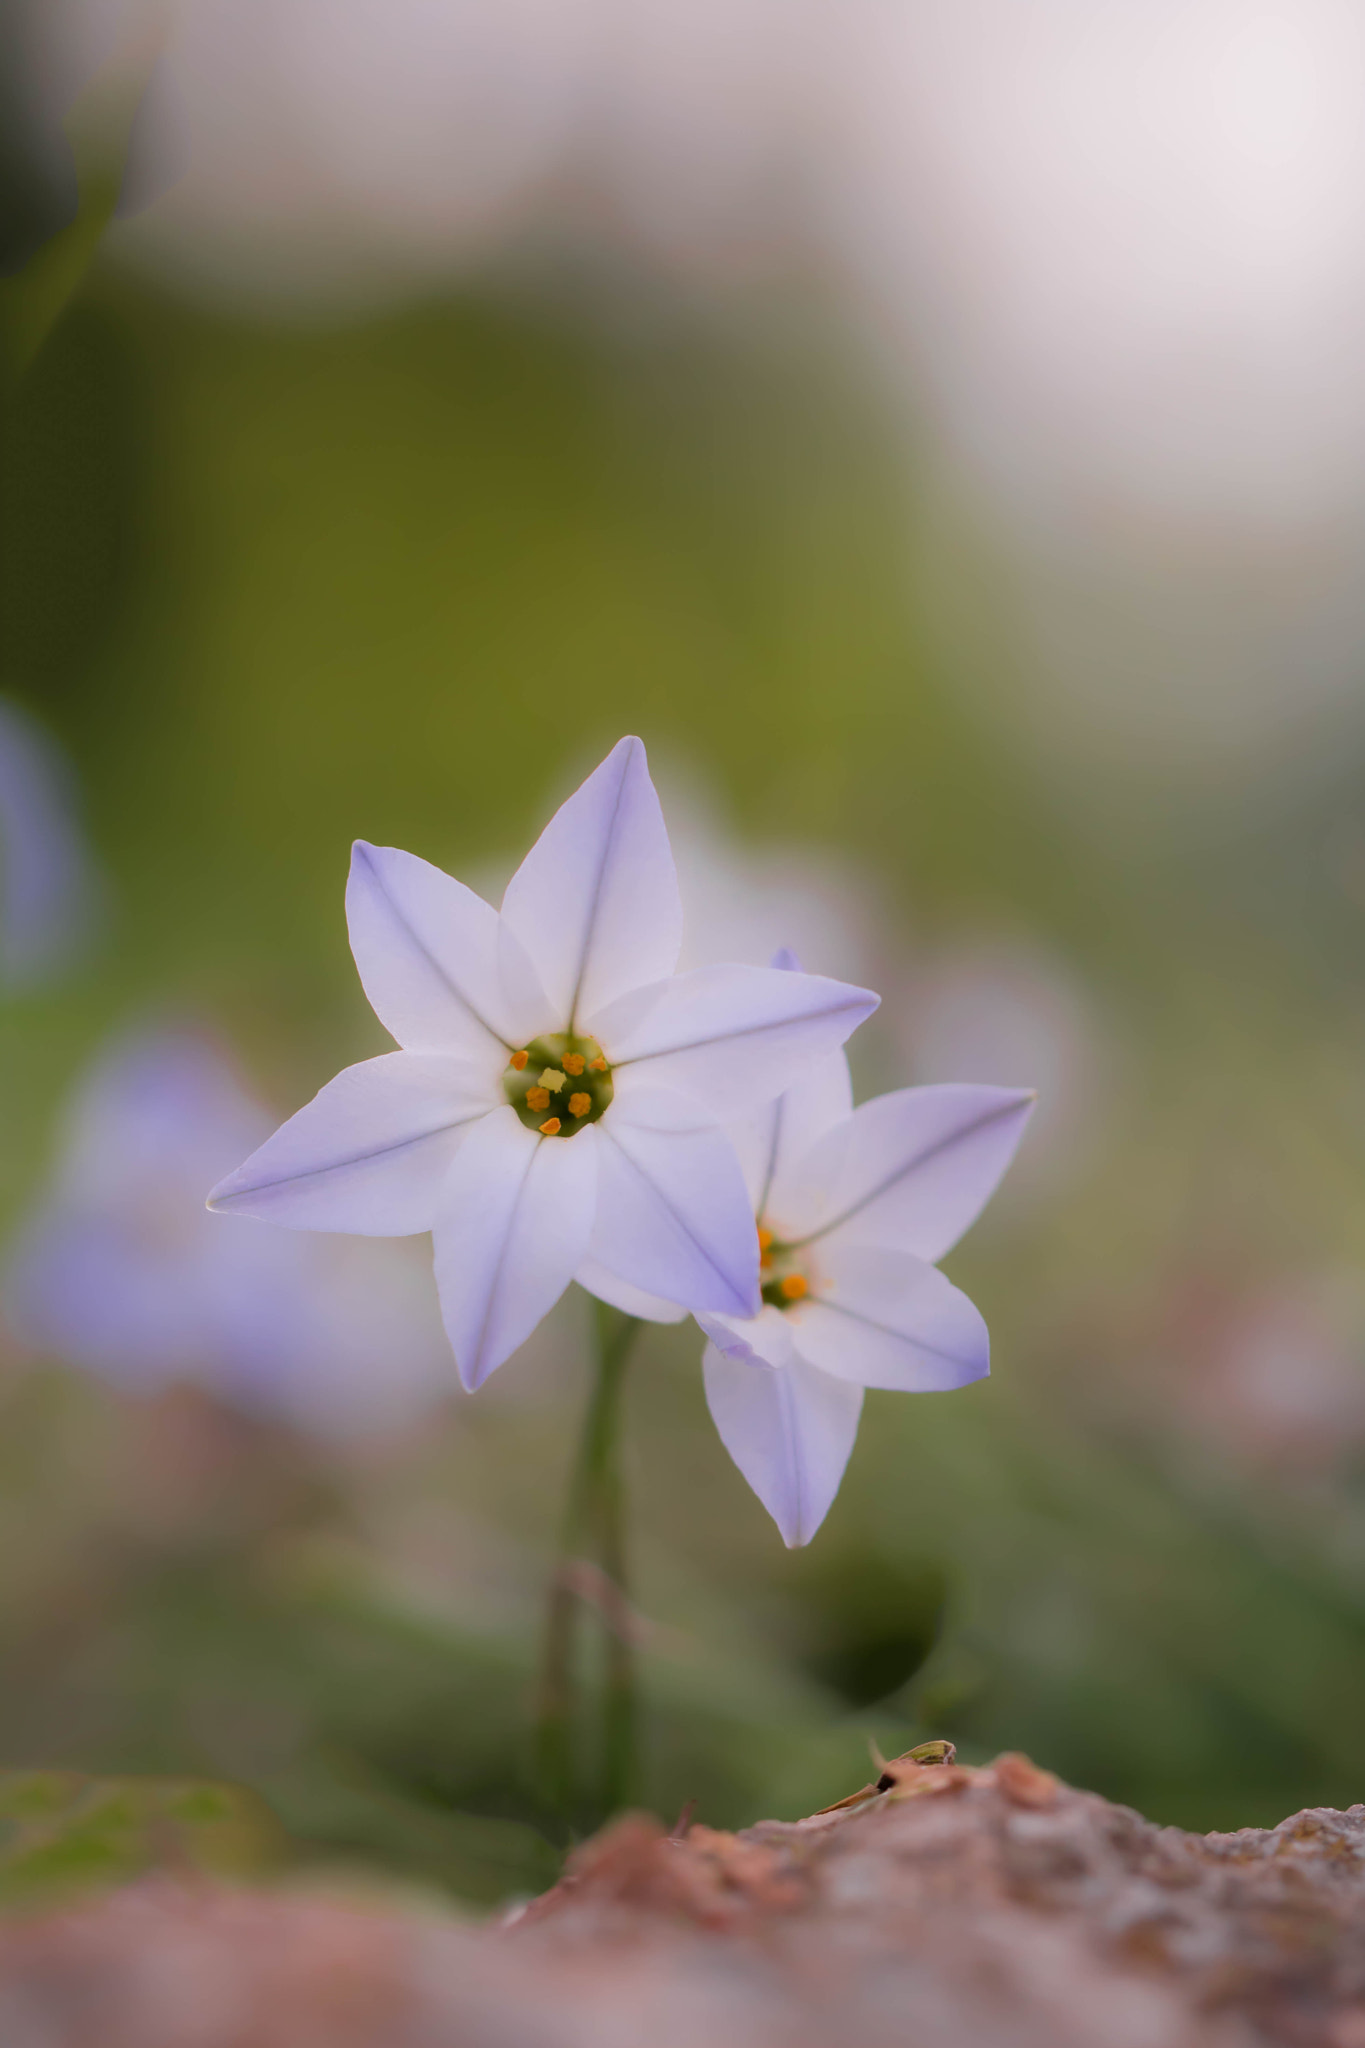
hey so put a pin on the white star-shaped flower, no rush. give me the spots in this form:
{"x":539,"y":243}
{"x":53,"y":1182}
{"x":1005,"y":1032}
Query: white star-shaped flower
{"x":554,"y":1111}
{"x":853,"y":1208}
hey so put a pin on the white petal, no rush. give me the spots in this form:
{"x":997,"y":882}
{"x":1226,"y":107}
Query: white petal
{"x":633,"y":1301}
{"x":514,"y":1224}
{"x":595,"y":902}
{"x":369,"y":1153}
{"x":886,"y":1319}
{"x":913,"y":1169}
{"x":789,"y":1430}
{"x":764,"y":1339}
{"x":732,"y":1037}
{"x":673,"y":1217}
{"x":428,"y":953}
{"x":772,"y":1143}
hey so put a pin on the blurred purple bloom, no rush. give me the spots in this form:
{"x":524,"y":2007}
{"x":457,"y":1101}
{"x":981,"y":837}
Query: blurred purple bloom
{"x":1011,"y":1007}
{"x":48,"y":887}
{"x":123,"y":1271}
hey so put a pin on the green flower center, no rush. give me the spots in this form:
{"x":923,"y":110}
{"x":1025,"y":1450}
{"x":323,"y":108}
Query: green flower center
{"x":558,"y":1084}
{"x":781,"y":1281}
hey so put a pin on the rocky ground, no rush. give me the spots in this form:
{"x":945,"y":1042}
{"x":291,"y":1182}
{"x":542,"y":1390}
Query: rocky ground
{"x":957,"y":1908}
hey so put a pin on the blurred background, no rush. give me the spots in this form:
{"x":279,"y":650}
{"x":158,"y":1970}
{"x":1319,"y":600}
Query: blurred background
{"x":938,"y":429}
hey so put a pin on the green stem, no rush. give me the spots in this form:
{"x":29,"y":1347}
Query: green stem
{"x":609,"y":1507}
{"x":593,"y":1534}
{"x":33,"y":299}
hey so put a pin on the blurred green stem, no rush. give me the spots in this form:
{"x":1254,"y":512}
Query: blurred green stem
{"x":99,"y":128}
{"x":33,"y":301}
{"x":593,"y":1542}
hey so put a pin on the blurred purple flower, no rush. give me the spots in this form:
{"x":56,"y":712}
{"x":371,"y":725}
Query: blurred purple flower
{"x":744,"y":900}
{"x":1262,"y":1363}
{"x":48,"y":886}
{"x":124,"y":1273}
{"x":1009,"y":1007}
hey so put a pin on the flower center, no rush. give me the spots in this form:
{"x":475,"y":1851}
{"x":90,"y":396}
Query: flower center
{"x":782,"y":1282}
{"x":558,"y":1084}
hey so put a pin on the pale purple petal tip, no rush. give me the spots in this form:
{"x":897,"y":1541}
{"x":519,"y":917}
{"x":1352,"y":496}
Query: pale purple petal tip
{"x":368,"y":1154}
{"x":887,"y":1319}
{"x":914,"y":1168}
{"x":791,"y":1432}
{"x":595,"y":903}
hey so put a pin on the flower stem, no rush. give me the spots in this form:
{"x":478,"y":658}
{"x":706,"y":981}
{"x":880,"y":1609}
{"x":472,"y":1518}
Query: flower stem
{"x":591,"y":1573}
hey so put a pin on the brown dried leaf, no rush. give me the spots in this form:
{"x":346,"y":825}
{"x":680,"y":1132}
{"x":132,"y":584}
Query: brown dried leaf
{"x":1024,"y":1782}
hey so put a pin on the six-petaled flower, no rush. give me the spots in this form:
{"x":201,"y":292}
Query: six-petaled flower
{"x":555,"y":1109}
{"x":853,"y":1209}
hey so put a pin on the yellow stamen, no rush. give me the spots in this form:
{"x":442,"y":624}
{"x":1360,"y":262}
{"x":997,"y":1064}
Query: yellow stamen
{"x":574,"y":1063}
{"x":552,"y":1079}
{"x":597,"y":1066}
{"x":537,"y":1098}
{"x":579,"y":1105}
{"x":794,"y":1286}
{"x":550,"y":1129}
{"x":519,"y":1060}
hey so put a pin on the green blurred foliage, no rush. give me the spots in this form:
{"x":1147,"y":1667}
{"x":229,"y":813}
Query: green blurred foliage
{"x":62,"y":1834}
{"x":404,"y":578}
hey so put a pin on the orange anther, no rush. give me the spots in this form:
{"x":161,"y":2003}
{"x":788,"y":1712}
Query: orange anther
{"x":597,"y":1066}
{"x":574,"y":1063}
{"x":550,"y":1129}
{"x":537,"y":1098}
{"x":794,"y":1286}
{"x":765,"y":1239}
{"x":519,"y":1060}
{"x":579,"y":1105}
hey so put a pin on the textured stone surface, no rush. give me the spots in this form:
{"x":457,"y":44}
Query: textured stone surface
{"x":959,"y":1909}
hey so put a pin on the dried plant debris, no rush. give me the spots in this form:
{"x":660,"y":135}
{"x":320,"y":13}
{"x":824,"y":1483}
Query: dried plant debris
{"x":947,"y":1907}
{"x":901,"y":1768}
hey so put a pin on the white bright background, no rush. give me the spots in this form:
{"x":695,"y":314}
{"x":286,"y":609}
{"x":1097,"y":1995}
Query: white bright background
{"x":1107,"y":255}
